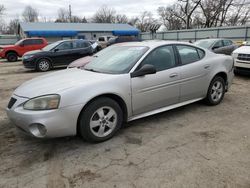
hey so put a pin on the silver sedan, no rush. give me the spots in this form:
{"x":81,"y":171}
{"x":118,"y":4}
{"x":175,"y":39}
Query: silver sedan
{"x":121,"y":83}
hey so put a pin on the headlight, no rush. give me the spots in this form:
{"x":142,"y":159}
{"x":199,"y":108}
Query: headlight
{"x":1,"y":49}
{"x":47,"y":102}
{"x":28,"y":56}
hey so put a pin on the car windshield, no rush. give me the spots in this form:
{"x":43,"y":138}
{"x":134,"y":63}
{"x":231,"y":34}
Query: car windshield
{"x":19,"y":42}
{"x":51,"y":46}
{"x":204,"y":43}
{"x":116,"y":59}
{"x":247,"y":43}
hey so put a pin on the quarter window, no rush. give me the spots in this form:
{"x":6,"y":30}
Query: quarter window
{"x":189,"y":54}
{"x":161,"y":58}
{"x":218,"y":44}
{"x":27,"y":42}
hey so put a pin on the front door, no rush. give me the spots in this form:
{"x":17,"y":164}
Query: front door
{"x":154,"y":91}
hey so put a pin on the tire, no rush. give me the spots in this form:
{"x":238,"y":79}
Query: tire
{"x":216,"y":91}
{"x":97,"y":113}
{"x":11,"y":57}
{"x":43,"y":65}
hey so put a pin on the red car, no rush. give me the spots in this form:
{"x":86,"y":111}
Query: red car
{"x":12,"y":52}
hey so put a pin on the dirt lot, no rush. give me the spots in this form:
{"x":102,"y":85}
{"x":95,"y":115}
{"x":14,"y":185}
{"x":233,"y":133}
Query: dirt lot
{"x":193,"y":146}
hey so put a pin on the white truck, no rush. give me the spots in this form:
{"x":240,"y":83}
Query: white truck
{"x":242,"y":59}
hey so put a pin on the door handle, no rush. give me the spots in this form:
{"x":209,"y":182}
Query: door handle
{"x":206,"y":66}
{"x":173,"y":75}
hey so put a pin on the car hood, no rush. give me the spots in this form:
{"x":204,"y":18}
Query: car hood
{"x":34,"y":52}
{"x":7,"y":46}
{"x":242,"y":50}
{"x":54,"y":83}
{"x":80,"y":62}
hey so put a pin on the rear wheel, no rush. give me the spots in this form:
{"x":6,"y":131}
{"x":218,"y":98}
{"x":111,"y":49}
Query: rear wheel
{"x":12,"y":56}
{"x":43,"y":65}
{"x":216,"y":91}
{"x":100,"y":120}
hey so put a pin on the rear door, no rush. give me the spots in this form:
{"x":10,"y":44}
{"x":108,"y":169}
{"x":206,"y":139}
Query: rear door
{"x":194,"y":72}
{"x":154,"y":91}
{"x":27,"y":46}
{"x":38,"y":44}
{"x":80,"y":49}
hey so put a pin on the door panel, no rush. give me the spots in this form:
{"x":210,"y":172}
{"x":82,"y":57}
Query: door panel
{"x":155,"y":91}
{"x":193,"y":74}
{"x":158,"y":90}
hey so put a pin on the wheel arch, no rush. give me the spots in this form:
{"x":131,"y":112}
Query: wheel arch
{"x":115,"y":97}
{"x":11,"y":51}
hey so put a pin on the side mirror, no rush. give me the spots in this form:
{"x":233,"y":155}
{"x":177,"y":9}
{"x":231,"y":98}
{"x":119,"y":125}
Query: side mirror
{"x":21,"y":45}
{"x":144,"y":70}
{"x":56,"y":50}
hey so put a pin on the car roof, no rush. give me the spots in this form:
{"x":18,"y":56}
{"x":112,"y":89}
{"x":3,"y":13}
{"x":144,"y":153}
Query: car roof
{"x":152,"y":43}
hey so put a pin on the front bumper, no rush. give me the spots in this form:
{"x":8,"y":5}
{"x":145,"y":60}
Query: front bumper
{"x":29,"y":63}
{"x":242,"y":64}
{"x":58,"y":123}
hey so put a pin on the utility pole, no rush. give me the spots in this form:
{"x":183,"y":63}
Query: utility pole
{"x":70,"y":13}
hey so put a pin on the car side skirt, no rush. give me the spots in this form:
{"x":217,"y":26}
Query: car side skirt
{"x":163,"y":109}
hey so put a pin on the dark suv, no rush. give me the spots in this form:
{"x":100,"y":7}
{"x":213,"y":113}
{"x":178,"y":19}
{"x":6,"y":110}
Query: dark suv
{"x":59,"y":53}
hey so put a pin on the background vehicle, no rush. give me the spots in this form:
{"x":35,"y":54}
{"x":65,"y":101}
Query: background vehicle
{"x":122,"y":83}
{"x":94,"y":45}
{"x":60,"y":53}
{"x":80,"y":62}
{"x":121,"y":39}
{"x":219,"y":46}
{"x":12,"y":52}
{"x":242,"y":59}
{"x":103,"y":41}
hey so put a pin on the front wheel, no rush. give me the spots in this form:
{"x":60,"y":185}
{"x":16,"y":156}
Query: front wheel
{"x":100,"y":120}
{"x":43,"y":65}
{"x":216,"y":91}
{"x":12,"y":57}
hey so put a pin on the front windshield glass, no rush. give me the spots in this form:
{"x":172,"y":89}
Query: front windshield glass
{"x":19,"y":42}
{"x":116,"y":59}
{"x":51,"y":46}
{"x":204,"y":43}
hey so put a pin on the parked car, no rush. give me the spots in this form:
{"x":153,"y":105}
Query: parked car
{"x":103,"y":41}
{"x":94,"y":45}
{"x":79,"y":63}
{"x":123,"y":82}
{"x":242,"y":59}
{"x":60,"y":53}
{"x":121,"y":39}
{"x":219,"y":46}
{"x":12,"y":52}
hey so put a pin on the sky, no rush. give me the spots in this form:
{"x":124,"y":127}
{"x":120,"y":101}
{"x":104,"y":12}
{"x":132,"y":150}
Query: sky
{"x":48,"y":8}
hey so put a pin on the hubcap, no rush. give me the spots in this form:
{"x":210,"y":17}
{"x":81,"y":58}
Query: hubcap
{"x":217,"y":91}
{"x":103,"y":121}
{"x":44,"y":65}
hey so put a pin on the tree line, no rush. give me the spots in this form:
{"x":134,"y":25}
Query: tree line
{"x":182,"y":14}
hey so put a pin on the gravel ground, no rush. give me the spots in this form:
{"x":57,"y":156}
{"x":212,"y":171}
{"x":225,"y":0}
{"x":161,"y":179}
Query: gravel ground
{"x":192,"y":146}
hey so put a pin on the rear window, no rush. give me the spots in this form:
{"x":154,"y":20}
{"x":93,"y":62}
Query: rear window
{"x":37,"y":41}
{"x":101,"y":39}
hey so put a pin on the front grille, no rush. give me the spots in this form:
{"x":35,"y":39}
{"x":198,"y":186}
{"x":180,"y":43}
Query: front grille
{"x":244,"y":57}
{"x":12,"y":102}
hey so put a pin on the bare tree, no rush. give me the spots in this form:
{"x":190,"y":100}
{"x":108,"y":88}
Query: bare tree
{"x":2,"y":22}
{"x":121,"y":18}
{"x":30,"y":14}
{"x":171,"y":17}
{"x":13,"y":26}
{"x":144,"y":21}
{"x":62,"y":15}
{"x":105,"y":15}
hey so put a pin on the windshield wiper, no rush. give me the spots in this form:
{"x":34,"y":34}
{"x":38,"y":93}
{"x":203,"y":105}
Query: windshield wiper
{"x":92,"y":70}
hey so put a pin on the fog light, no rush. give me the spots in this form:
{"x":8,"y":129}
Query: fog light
{"x":38,"y":130}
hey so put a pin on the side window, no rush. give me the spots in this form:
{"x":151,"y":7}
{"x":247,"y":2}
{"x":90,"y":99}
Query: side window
{"x":101,"y":39}
{"x":201,"y":53}
{"x":27,"y":42}
{"x":86,"y":44}
{"x":218,"y":44}
{"x":37,"y":41}
{"x":64,"y":46}
{"x":227,"y":42}
{"x":162,"y":58}
{"x":188,"y":54}
{"x":77,"y":44}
